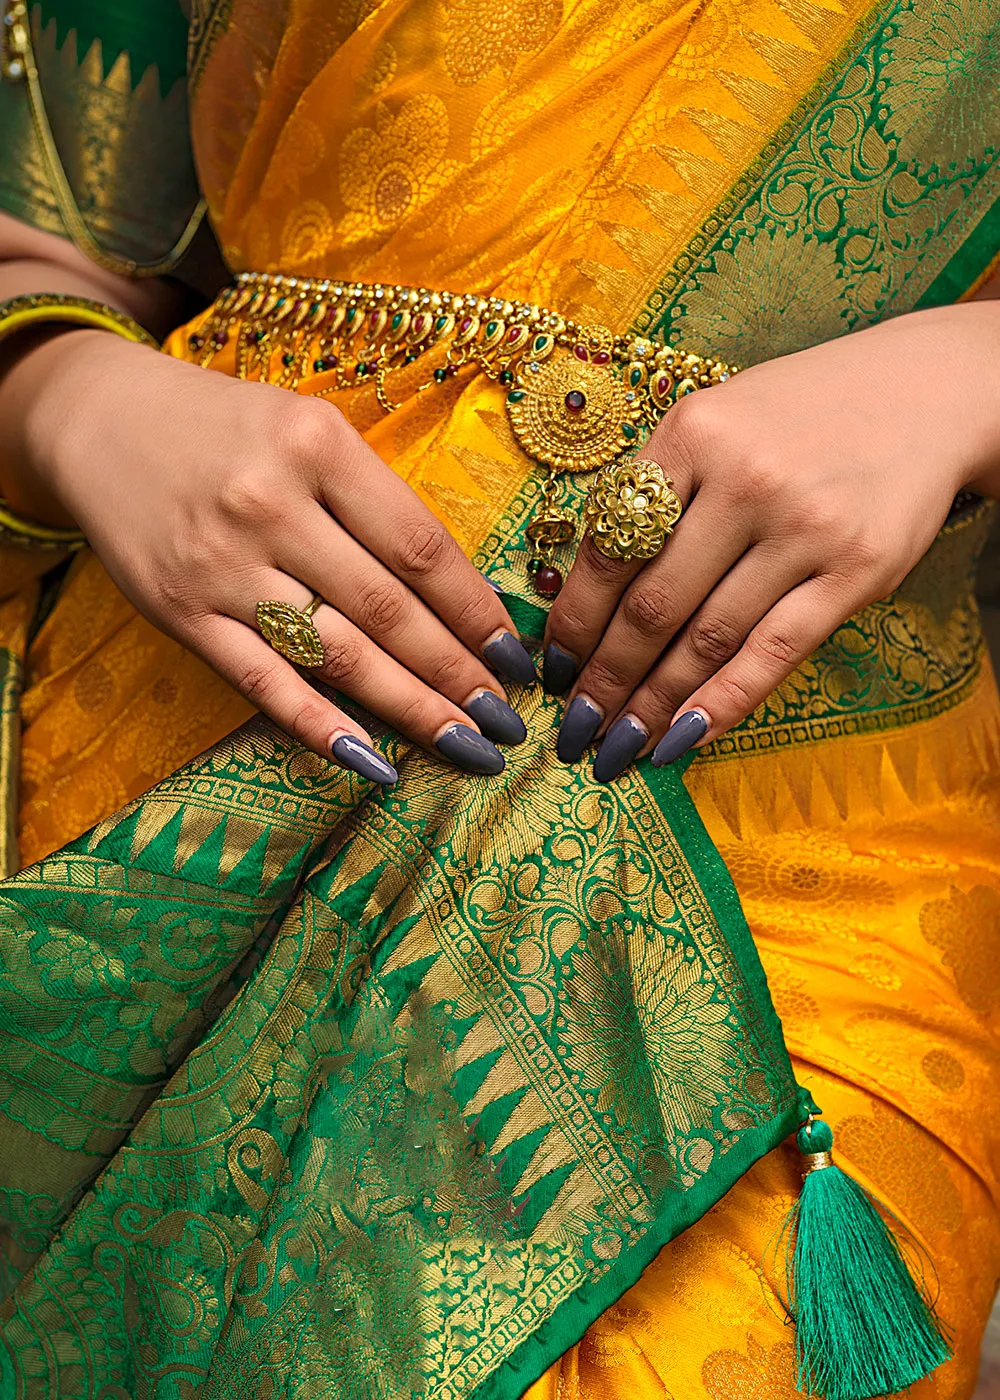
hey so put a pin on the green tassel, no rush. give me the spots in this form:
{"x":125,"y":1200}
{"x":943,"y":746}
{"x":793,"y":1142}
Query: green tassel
{"x":862,"y":1327}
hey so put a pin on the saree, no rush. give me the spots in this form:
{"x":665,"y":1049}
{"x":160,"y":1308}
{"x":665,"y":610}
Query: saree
{"x":479,"y":1088}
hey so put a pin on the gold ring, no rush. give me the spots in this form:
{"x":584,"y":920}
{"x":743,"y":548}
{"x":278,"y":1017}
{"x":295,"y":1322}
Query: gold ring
{"x":291,"y":631}
{"x":631,"y":509}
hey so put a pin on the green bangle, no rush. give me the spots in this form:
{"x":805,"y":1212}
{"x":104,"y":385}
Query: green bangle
{"x":36,"y":309}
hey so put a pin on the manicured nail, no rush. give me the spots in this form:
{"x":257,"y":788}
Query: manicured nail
{"x":495,"y":586}
{"x":621,"y":744}
{"x":506,"y":654}
{"x":558,"y":669}
{"x":359,"y":758}
{"x":580,"y":723}
{"x":682,"y":734}
{"x":470,"y":750}
{"x":495,"y":718}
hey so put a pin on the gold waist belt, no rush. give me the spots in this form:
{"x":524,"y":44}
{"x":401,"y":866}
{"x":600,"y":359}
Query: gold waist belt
{"x":577,"y":396}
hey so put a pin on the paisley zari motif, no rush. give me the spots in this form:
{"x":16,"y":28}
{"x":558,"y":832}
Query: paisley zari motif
{"x":464,"y":1088}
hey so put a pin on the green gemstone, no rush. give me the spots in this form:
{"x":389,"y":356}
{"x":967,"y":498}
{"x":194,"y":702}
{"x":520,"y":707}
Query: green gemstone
{"x":629,"y":432}
{"x":440,"y":375}
{"x":314,"y":308}
{"x":506,"y":377}
{"x":279,"y":302}
{"x":319,"y":366}
{"x":361,"y":369}
{"x":635,"y":377}
{"x":287,"y":360}
{"x":397,"y":320}
{"x":440,"y":323}
{"x":541,"y":341}
{"x":491,"y":327}
{"x":516,"y":395}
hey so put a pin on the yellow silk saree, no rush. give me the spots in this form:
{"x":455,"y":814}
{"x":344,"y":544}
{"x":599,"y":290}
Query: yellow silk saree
{"x":474,"y":1087}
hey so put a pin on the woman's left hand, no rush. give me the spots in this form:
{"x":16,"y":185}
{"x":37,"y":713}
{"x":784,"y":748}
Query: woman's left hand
{"x":812,"y":485}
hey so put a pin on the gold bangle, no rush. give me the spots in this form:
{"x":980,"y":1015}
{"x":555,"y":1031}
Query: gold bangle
{"x":39,"y":307}
{"x":21,"y":313}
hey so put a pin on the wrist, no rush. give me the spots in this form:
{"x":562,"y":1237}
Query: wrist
{"x":967,"y":353}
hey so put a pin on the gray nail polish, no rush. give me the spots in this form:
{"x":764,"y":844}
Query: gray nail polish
{"x":359,"y":758}
{"x":496,"y":719}
{"x":495,"y":586}
{"x":621,"y":744}
{"x":558,"y":669}
{"x":682,"y":734}
{"x":580,"y":723}
{"x":470,"y":750}
{"x":507,"y":655}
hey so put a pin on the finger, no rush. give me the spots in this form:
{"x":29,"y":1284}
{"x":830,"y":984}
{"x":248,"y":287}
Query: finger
{"x":580,"y":613}
{"x":325,"y":557}
{"x":785,"y":637}
{"x":595,"y":587}
{"x":398,"y":529}
{"x":246,"y":661}
{"x":706,"y":545}
{"x":354,"y":665}
{"x":710,"y":639}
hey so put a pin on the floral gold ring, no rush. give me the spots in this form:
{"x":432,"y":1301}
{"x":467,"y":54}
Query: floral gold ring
{"x":291,"y":631}
{"x":631,"y":509}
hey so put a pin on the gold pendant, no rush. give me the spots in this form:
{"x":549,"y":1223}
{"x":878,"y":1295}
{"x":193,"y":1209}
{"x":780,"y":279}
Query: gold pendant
{"x":568,"y":409}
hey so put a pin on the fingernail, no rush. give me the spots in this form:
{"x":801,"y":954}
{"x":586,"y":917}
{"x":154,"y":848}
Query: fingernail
{"x":682,"y":734}
{"x":359,"y":758}
{"x":469,"y":750}
{"x":495,"y":586}
{"x":621,"y":744}
{"x":558,"y":669}
{"x":506,"y":654}
{"x":580,"y":723}
{"x":495,"y":718}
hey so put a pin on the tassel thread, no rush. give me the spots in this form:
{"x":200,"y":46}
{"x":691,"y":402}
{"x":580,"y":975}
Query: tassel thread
{"x":863,"y":1328}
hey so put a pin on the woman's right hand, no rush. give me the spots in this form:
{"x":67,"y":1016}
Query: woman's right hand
{"x":204,"y":495}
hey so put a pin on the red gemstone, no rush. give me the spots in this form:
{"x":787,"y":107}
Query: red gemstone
{"x":418,"y":325}
{"x":580,"y":351}
{"x":548,"y":581}
{"x":663,"y":385}
{"x":465,"y":325}
{"x":600,"y":357}
{"x":575,"y":400}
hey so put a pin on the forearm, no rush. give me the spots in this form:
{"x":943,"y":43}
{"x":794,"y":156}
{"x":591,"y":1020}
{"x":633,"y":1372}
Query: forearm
{"x":34,"y":262}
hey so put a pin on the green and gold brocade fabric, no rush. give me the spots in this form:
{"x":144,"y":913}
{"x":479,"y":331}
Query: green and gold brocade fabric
{"x":114,"y":79}
{"x":313,"y":1090}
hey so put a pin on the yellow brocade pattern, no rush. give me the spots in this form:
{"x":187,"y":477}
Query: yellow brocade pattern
{"x":568,"y":154}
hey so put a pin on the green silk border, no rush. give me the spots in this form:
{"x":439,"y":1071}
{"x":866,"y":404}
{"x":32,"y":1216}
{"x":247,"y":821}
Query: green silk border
{"x":154,"y":34}
{"x":976,"y":255}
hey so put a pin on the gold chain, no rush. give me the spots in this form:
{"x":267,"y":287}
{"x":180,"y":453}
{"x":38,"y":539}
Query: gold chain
{"x":17,"y":64}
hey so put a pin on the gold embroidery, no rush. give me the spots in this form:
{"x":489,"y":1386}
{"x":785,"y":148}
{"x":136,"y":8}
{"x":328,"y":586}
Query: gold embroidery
{"x":482,"y":34}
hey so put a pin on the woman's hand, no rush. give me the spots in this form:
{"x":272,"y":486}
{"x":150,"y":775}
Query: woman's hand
{"x":203,"y":496}
{"x":812,"y":485}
